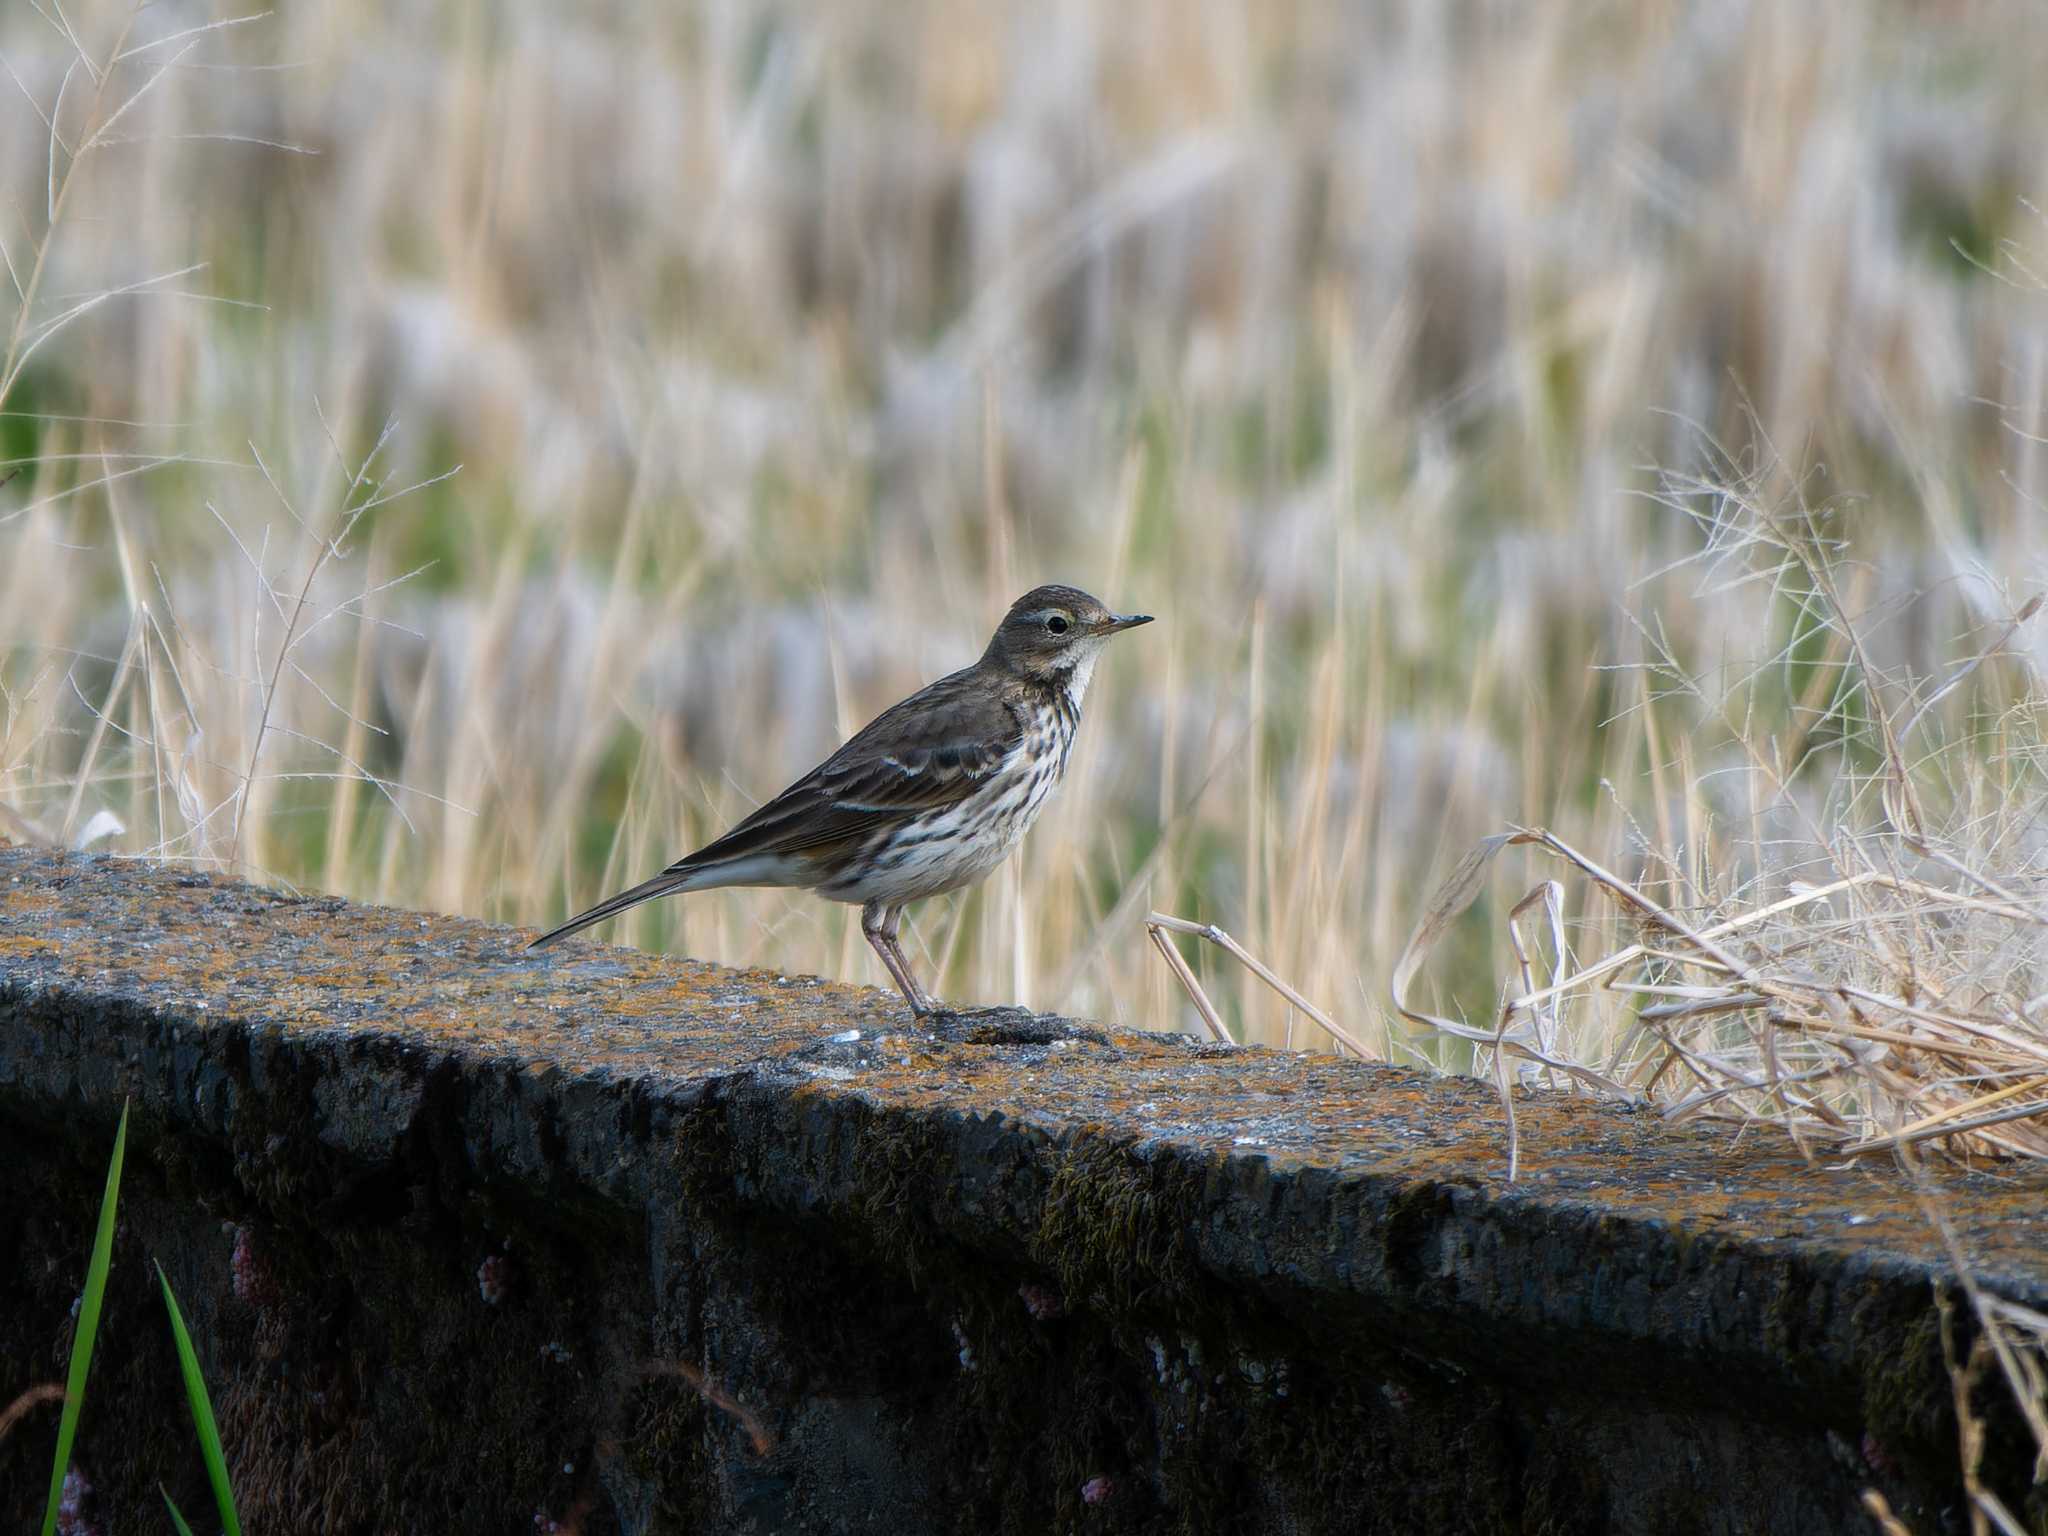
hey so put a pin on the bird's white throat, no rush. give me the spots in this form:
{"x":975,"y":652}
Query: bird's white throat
{"x":1082,"y":670}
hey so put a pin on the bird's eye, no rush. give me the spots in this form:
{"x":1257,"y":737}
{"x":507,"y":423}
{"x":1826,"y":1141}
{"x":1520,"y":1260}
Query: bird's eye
{"x":1056,"y":623}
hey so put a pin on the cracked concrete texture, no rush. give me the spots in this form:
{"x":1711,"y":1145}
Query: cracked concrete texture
{"x":1018,"y":1274}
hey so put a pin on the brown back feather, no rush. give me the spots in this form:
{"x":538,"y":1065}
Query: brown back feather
{"x":929,"y":752}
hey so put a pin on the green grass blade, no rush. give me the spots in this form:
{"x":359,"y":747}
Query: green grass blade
{"x":88,"y":1326}
{"x":176,"y":1519}
{"x":202,"y":1414}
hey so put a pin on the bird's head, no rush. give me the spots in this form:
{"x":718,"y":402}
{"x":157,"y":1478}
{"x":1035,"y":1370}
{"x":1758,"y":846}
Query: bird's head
{"x":1053,"y":635}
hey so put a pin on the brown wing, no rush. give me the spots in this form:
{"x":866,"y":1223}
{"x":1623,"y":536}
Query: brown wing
{"x":931,"y":751}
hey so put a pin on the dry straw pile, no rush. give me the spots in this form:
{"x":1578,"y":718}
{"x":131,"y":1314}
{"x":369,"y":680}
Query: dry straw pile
{"x":1864,"y":963}
{"x":1860,"y":959}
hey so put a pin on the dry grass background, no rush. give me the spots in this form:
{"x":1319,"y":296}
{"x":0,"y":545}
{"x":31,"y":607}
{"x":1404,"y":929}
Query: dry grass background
{"x":466,"y":456}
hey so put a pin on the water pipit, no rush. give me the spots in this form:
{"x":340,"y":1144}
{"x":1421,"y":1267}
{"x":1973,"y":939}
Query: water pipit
{"x":928,"y":797}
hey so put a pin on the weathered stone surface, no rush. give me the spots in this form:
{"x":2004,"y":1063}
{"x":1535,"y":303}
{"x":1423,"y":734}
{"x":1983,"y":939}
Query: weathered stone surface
{"x":1022,"y":1276}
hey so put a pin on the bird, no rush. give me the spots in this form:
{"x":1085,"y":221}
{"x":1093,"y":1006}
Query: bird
{"x":929,"y":796}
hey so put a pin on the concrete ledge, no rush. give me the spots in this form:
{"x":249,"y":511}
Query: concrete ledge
{"x":468,"y":1236}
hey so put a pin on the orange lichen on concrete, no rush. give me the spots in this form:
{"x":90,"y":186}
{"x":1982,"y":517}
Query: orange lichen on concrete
{"x":219,"y":949}
{"x":395,"y":1098}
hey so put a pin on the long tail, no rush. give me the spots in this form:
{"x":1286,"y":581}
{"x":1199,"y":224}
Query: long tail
{"x":677,"y":877}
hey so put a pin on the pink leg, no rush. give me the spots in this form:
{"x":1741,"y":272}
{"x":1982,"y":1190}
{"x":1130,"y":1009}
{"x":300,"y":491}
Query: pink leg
{"x":878,"y":923}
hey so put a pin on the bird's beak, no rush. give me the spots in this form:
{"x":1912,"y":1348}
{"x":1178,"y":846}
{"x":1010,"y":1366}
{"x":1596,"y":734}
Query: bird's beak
{"x":1119,"y":621}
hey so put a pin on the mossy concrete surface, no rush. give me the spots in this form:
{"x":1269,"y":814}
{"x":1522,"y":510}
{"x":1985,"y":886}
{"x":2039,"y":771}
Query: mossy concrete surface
{"x":473,"y":1239}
